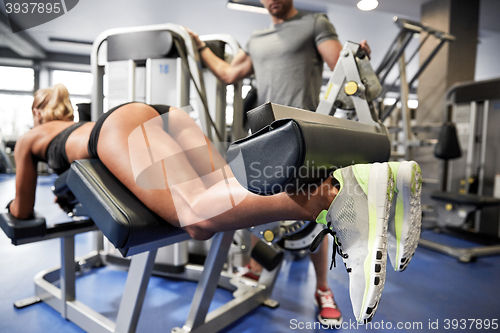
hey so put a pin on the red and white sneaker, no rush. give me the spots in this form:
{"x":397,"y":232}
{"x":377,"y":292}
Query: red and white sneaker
{"x":329,"y":313}
{"x":246,"y":272}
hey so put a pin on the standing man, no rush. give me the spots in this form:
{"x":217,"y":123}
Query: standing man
{"x":287,"y":60}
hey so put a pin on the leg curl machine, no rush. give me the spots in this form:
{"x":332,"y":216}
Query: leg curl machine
{"x":293,"y":139}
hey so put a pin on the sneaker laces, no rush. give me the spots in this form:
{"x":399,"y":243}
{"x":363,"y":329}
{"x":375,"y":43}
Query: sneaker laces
{"x":326,"y":300}
{"x":336,"y":244}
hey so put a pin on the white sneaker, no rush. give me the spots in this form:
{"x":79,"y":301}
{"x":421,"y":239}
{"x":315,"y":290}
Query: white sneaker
{"x":358,"y":218}
{"x":406,"y":214}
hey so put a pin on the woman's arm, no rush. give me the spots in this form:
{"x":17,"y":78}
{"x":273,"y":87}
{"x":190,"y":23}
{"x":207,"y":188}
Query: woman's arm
{"x":26,"y":175}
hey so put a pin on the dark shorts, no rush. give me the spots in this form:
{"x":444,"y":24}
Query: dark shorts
{"x":94,"y":135}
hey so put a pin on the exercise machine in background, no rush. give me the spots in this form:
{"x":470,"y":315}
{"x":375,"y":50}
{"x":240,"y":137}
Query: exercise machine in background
{"x":395,"y":57}
{"x":468,"y":203}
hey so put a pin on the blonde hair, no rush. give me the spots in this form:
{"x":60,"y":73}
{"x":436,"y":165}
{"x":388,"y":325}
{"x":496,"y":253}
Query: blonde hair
{"x":53,"y":103}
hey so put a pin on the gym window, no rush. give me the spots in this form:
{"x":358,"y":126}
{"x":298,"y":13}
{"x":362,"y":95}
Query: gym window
{"x":16,"y":96}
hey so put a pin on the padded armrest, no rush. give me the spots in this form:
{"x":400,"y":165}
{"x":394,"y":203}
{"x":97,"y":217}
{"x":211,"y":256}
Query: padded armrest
{"x":18,"y":229}
{"x":123,"y":219}
{"x":465,"y":199}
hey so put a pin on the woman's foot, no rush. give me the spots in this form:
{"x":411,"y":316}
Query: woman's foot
{"x":358,"y":219}
{"x":406,"y":214}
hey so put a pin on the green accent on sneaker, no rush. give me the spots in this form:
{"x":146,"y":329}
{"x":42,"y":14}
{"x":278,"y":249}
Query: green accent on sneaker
{"x":413,"y":182}
{"x":337,"y":174}
{"x":398,"y":224}
{"x":361,"y":172}
{"x":394,"y":168}
{"x":418,"y":171}
{"x":321,"y":219}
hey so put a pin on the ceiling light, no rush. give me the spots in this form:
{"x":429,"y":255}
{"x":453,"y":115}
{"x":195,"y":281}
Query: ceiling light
{"x":367,"y":4}
{"x":247,"y":6}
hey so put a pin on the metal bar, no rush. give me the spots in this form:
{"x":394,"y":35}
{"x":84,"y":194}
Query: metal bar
{"x":88,"y":319}
{"x":333,"y":88}
{"x":131,"y":65}
{"x":405,"y":111}
{"x":386,"y":90}
{"x":183,"y":85}
{"x":388,"y":55}
{"x":237,"y":129}
{"x":246,"y":298}
{"x":482,"y":159}
{"x":220,"y":109}
{"x":231,"y":311}
{"x":149,"y":81}
{"x":156,"y":244}
{"x":208,"y":282}
{"x":352,"y":75}
{"x":445,"y":165}
{"x":426,"y":62}
{"x":406,"y":38}
{"x":98,"y":241}
{"x":409,"y":60}
{"x":135,"y":290}
{"x":419,"y":47}
{"x":97,"y":80}
{"x":67,"y":272}
{"x":470,"y":145}
{"x":462,"y":254}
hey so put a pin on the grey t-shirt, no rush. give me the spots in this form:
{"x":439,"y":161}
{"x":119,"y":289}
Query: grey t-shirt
{"x":288,"y":68}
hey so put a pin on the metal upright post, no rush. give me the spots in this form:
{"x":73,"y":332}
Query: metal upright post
{"x":405,"y":111}
{"x":131,"y":80}
{"x":208,"y":282}
{"x":135,"y":291}
{"x":470,"y":145}
{"x":67,"y":273}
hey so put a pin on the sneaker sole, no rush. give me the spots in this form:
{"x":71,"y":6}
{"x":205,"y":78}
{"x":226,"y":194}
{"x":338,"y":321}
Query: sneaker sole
{"x":330,"y":322}
{"x":408,"y":222}
{"x":380,"y":193}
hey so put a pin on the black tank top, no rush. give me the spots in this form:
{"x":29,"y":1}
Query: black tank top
{"x":56,"y":150}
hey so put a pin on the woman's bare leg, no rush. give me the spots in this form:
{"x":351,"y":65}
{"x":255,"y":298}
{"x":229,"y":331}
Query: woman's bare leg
{"x":200,"y":152}
{"x":185,"y":201}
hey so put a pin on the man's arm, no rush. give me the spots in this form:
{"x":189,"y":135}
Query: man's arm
{"x":239,"y":68}
{"x":330,"y":51}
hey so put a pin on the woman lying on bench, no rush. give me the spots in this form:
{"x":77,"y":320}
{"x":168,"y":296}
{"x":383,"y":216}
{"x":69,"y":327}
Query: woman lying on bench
{"x":161,"y":155}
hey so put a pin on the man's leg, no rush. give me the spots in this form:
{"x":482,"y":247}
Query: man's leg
{"x":329,"y":314}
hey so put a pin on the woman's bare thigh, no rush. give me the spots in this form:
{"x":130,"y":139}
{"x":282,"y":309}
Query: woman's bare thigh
{"x":116,"y":146}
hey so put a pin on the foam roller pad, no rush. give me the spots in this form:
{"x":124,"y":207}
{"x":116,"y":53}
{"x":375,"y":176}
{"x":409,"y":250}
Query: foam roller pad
{"x":291,"y":153}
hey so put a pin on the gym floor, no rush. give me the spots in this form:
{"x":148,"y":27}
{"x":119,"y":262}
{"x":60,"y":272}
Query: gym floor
{"x":430,"y":294}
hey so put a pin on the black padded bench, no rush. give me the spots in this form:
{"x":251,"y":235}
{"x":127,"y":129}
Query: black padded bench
{"x":125,"y":221}
{"x":465,"y":199}
{"x":138,"y":232}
